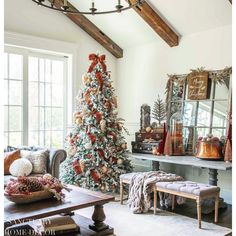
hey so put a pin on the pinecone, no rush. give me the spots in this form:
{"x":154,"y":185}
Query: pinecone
{"x":33,"y":184}
{"x":22,"y":188}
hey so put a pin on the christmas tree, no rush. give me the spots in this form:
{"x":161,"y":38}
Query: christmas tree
{"x":159,"y":111}
{"x":96,"y":147}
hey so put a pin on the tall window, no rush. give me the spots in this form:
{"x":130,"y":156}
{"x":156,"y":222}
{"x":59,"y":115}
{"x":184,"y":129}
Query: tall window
{"x":13,"y":85}
{"x":35,"y":101}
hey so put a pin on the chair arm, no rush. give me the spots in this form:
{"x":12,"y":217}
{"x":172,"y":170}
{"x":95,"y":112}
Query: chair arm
{"x":56,"y":157}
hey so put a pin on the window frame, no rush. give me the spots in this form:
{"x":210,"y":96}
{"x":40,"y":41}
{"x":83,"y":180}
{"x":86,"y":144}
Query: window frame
{"x":26,"y":53}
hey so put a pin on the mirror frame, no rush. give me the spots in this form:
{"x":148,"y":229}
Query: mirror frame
{"x":217,"y":77}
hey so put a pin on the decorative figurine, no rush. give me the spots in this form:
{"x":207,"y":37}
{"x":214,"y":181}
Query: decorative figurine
{"x":145,"y":119}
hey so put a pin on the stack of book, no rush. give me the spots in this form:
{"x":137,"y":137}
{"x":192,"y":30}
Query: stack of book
{"x":57,"y":225}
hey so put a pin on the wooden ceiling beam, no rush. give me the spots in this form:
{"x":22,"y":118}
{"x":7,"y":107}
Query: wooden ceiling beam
{"x":157,"y":23}
{"x":90,"y":28}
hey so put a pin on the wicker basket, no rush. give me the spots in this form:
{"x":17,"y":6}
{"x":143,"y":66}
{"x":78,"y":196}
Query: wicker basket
{"x":32,"y":197}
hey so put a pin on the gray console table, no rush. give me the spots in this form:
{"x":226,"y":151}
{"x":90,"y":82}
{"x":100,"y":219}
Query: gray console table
{"x":213,"y":166}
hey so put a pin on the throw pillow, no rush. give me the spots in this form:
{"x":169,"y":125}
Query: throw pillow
{"x":38,"y":159}
{"x":21,"y":167}
{"x":9,"y":158}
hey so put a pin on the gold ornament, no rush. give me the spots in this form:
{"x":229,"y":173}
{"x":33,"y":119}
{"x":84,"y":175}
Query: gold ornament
{"x":72,"y":151}
{"x":86,"y":79}
{"x":148,"y":129}
{"x":119,"y":161}
{"x":154,"y":151}
{"x":82,"y":165}
{"x":124,"y":145}
{"x":114,"y":100}
{"x":103,"y":125}
{"x":104,"y":170}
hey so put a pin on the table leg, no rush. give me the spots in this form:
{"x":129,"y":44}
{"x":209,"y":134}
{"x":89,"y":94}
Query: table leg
{"x":98,"y":217}
{"x":213,"y":177}
{"x":155,"y":165}
{"x":208,"y":205}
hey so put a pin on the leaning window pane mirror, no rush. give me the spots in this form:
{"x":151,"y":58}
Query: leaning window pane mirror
{"x":203,"y":98}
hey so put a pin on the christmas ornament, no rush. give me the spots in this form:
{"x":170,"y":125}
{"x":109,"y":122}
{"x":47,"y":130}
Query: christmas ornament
{"x":82,"y":164}
{"x":148,"y":129}
{"x":85,"y":79}
{"x":88,"y":145}
{"x":119,"y":161}
{"x":92,"y":138}
{"x":124,"y":145}
{"x":103,"y":125}
{"x":72,"y":150}
{"x":101,"y":153}
{"x":79,"y":121}
{"x":114,"y":100}
{"x":98,"y":116}
{"x":77,"y":167}
{"x":108,"y":105}
{"x":48,"y":176}
{"x":95,"y":175}
{"x":112,"y":160}
{"x":104,"y":169}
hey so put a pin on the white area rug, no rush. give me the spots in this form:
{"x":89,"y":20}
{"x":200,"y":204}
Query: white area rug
{"x":163,"y":223}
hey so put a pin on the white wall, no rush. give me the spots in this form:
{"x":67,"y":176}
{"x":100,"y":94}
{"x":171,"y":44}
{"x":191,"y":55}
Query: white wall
{"x":142,"y":75}
{"x":25,"y":17}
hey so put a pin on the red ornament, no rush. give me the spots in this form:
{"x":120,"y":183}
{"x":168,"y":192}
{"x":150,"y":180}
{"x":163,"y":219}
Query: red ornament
{"x":98,"y":117}
{"x":113,"y":160}
{"x":92,"y":138}
{"x":101,"y":153}
{"x":95,"y":175}
{"x":77,"y":167}
{"x":113,"y":135}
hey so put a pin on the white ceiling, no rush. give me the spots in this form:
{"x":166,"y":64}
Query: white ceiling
{"x":127,"y":29}
{"x":185,"y":16}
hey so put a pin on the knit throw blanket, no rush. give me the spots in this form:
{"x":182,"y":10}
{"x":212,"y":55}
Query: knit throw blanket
{"x":140,"y":187}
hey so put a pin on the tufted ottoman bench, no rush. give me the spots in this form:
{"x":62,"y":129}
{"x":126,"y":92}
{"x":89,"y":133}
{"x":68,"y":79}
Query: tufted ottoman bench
{"x":192,"y":190}
{"x":125,"y":179}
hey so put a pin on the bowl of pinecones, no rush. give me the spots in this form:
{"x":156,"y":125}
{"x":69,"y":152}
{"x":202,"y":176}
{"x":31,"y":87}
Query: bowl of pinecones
{"x":25,"y":190}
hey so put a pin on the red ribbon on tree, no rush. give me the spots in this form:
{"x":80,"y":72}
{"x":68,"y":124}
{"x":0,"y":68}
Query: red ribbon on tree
{"x":95,"y":60}
{"x":100,"y":80}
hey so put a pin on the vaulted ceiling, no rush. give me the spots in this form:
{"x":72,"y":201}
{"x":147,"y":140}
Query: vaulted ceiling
{"x":183,"y":16}
{"x":129,"y":29}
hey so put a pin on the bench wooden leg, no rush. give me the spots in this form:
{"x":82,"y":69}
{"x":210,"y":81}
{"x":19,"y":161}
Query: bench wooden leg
{"x":173,"y":202}
{"x":199,"y":213}
{"x":155,"y":200}
{"x":216,"y":208}
{"x":121,"y":192}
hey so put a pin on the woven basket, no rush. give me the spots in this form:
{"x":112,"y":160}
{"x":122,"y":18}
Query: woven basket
{"x":32,"y":197}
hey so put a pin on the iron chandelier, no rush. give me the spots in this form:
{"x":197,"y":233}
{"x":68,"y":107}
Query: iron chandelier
{"x":65,"y":7}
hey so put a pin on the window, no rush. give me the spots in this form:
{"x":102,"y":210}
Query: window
{"x":13,"y":85}
{"x":35,"y":98}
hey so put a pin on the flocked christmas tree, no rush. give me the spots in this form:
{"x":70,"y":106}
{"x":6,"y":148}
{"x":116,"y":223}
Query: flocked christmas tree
{"x":96,"y":147}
